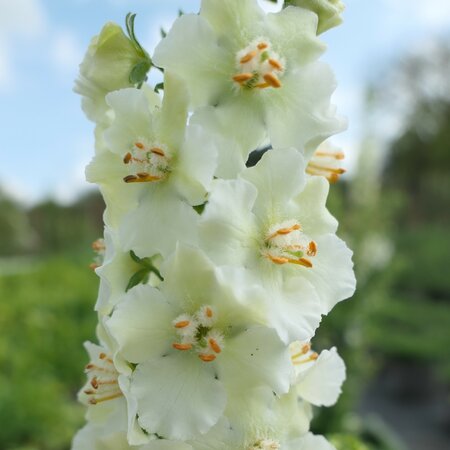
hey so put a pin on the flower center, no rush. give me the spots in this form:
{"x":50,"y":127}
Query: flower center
{"x":102,"y":380}
{"x":196,"y":332}
{"x":287,"y":243}
{"x":266,"y":444}
{"x":301,"y":353}
{"x":326,"y":162}
{"x":258,"y":66}
{"x":99,"y":249}
{"x":147,"y":162}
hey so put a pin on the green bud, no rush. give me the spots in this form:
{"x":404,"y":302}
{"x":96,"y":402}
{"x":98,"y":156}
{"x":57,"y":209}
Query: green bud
{"x":329,"y":11}
{"x":114,"y":61}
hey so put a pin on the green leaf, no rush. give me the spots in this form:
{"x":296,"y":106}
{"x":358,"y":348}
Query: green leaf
{"x":129,"y":23}
{"x":139,"y":72}
{"x":141,"y":276}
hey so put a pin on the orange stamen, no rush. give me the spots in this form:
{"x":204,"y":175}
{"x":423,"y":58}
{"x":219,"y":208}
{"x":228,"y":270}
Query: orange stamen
{"x":139,"y":145}
{"x":94,"y":401}
{"x":182,"y":324}
{"x":272,"y":80}
{"x":248,"y":57}
{"x":182,"y":347}
{"x":301,"y":262}
{"x":214,"y":345}
{"x":157,"y":151}
{"x":284,"y":231}
{"x":337,"y":155}
{"x":206,"y":358}
{"x":338,"y":171}
{"x":312,"y":249}
{"x":262,"y":85}
{"x":242,"y":77}
{"x":127,"y":158}
{"x":262,"y":46}
{"x":278,"y":259}
{"x":275,"y":64}
{"x":208,"y":312}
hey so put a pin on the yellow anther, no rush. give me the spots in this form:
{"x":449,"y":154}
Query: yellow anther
{"x":127,"y":158}
{"x":275,"y":64}
{"x":284,"y":231}
{"x":182,"y":324}
{"x":338,"y":171}
{"x":301,"y":262}
{"x":206,"y":358}
{"x":141,"y":178}
{"x":157,"y":151}
{"x":312,"y":249}
{"x":242,"y":77}
{"x":94,"y":401}
{"x":182,"y":347}
{"x":272,"y":80}
{"x":248,"y":57}
{"x":214,"y":345}
{"x":335,"y":155}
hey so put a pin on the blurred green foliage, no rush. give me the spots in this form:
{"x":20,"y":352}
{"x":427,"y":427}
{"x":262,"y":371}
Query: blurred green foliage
{"x":45,"y":315}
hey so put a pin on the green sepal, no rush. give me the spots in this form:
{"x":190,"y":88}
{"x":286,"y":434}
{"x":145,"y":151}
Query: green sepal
{"x":139,"y":72}
{"x":159,"y":87}
{"x":141,"y":276}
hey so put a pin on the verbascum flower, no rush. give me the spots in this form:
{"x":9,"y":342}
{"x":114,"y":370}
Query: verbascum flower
{"x":107,"y":66}
{"x":258,"y":72}
{"x":192,"y":341}
{"x":328,"y":11}
{"x":156,"y":169}
{"x":273,"y":221}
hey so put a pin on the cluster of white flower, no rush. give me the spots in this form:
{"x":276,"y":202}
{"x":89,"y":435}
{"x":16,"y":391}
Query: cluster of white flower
{"x":214,"y":275}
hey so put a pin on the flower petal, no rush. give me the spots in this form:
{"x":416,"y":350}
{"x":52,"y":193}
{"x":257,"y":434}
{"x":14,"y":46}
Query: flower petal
{"x":191,"y":49}
{"x":278,"y":176}
{"x":294,"y":30}
{"x":141,"y":324}
{"x":178,"y":395}
{"x":321,"y":383}
{"x":227,"y":224}
{"x":332,"y":272}
{"x":256,"y":357}
{"x":158,"y":223}
{"x":300,"y":114}
{"x":310,"y":207}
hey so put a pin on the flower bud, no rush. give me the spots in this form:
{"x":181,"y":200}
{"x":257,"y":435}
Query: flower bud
{"x":113,"y":61}
{"x":329,"y":11}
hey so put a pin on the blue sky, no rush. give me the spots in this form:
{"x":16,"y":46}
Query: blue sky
{"x":45,"y":141}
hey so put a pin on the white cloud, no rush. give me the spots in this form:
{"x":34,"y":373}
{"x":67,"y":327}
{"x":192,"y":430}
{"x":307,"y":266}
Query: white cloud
{"x":66,"y":52}
{"x":19,"y":19}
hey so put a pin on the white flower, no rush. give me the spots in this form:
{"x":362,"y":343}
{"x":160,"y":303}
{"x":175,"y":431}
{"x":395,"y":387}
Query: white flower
{"x":318,"y":378}
{"x":155,"y":170}
{"x":106,"y":67}
{"x":193,"y":341}
{"x":110,"y":410}
{"x":273,"y":221}
{"x":258,"y":73}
